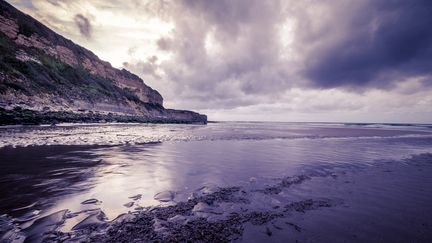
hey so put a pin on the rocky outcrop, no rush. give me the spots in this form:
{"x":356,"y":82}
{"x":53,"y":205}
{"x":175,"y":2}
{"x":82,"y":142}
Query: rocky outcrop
{"x":31,"y":117}
{"x":40,"y":69}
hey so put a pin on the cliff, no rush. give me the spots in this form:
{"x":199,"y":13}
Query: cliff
{"x":42,"y":72}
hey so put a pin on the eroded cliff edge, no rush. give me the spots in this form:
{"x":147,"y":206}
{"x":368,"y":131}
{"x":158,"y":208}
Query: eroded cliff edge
{"x":46,"y":78}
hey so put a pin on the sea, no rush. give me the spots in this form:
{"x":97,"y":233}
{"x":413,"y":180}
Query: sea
{"x":316,"y":182}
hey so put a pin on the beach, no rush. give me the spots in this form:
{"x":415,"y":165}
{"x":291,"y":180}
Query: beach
{"x":228,"y":181}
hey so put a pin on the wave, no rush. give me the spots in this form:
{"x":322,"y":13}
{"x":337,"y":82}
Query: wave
{"x":390,"y":125}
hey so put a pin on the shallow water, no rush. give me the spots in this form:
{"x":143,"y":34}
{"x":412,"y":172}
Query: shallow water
{"x":97,"y":172}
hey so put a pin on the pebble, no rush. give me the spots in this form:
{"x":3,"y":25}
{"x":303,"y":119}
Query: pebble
{"x":136,"y":197}
{"x":165,"y":196}
{"x":129,"y":204}
{"x":91,"y":201}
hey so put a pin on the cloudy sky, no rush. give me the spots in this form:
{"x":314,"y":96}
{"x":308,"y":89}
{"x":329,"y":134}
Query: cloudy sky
{"x":288,"y":60}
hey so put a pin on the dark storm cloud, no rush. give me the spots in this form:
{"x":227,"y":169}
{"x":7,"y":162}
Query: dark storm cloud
{"x":164,"y":44}
{"x":361,"y":44}
{"x":83,"y":24}
{"x":232,"y":53}
{"x":385,"y":41}
{"x":54,"y":2}
{"x":224,"y":50}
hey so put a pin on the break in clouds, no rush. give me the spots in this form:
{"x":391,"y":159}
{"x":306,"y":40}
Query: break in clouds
{"x":267,"y":58}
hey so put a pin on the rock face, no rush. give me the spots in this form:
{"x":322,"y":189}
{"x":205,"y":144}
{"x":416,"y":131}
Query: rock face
{"x":42,"y":71}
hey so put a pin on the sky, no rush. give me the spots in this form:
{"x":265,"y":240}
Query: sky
{"x":254,"y":60}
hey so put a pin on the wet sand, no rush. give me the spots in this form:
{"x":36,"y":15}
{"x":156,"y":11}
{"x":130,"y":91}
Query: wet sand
{"x":373,"y":189}
{"x":335,"y":206}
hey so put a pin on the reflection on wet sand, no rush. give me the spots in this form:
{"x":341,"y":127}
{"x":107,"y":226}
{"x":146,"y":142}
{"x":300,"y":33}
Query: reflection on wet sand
{"x":32,"y":177}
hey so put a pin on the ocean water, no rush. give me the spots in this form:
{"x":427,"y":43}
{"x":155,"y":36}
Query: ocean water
{"x":375,"y":179}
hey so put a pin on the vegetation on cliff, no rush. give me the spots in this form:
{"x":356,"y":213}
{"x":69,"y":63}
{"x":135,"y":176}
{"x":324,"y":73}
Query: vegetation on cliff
{"x":51,"y":76}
